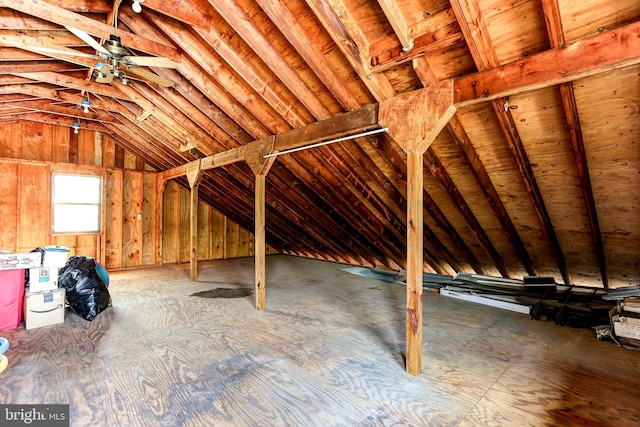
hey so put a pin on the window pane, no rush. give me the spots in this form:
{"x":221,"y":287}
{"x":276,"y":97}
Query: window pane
{"x":76,"y":218}
{"x":76,"y":189}
{"x":76,"y":203}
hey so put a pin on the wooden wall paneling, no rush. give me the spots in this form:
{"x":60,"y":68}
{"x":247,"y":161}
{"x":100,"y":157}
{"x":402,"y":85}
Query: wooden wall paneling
{"x":34,"y":206}
{"x":231,"y":246}
{"x":171,"y":223}
{"x":129,"y":160}
{"x":36,"y":141}
{"x":204,"y":231}
{"x":60,"y":144}
{"x":119,"y":157}
{"x":87,"y":245}
{"x":66,"y":240}
{"x":98,"y":148}
{"x":11,"y":140}
{"x":185,"y":216}
{"x":609,"y":120}
{"x":149,"y":219}
{"x":218,"y":235}
{"x":113,"y":213}
{"x":245,"y":242}
{"x":132,"y":219}
{"x":108,"y":152}
{"x":86,"y":147}
{"x":8,"y":205}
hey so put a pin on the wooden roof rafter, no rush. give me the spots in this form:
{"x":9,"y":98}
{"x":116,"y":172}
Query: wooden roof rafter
{"x":556,"y":38}
{"x":477,"y":36}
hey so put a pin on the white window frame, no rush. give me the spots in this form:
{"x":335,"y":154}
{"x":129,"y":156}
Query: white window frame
{"x":67,"y":204}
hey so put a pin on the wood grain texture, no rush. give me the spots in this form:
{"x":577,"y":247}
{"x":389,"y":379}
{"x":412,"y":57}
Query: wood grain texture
{"x":327,"y":351}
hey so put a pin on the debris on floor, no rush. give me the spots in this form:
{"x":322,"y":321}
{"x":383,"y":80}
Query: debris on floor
{"x":613,"y":313}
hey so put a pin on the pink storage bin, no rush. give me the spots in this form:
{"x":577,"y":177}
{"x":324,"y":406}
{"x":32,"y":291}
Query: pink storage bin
{"x":11,"y":298}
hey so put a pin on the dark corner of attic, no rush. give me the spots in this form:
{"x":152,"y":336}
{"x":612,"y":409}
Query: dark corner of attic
{"x":38,"y":287}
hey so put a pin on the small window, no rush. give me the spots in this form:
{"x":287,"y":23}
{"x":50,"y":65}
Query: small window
{"x":76,"y":203}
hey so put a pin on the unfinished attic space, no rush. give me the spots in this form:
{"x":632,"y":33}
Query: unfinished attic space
{"x":320,"y":212}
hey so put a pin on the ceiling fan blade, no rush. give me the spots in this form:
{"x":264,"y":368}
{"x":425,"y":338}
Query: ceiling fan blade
{"x":151,"y":61}
{"x":85,"y":37}
{"x":151,"y":76}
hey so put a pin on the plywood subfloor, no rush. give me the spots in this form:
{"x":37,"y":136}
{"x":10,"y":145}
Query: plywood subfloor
{"x":327,"y":351}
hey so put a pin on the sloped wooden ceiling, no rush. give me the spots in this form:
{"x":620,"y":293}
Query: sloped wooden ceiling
{"x":537,"y":173}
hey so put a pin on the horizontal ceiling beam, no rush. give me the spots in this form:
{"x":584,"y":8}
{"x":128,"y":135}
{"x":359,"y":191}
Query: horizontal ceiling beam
{"x":334,"y":127}
{"x":594,"y":55}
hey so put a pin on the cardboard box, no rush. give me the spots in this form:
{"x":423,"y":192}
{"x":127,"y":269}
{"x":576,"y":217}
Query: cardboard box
{"x":44,"y":308}
{"x":43,"y":279}
{"x":626,"y":330}
{"x":17,"y":261}
{"x":55,"y":256}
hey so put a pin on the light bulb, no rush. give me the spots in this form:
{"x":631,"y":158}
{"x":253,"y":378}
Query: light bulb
{"x":86,"y":109}
{"x":75,"y":131}
{"x":137,"y":8}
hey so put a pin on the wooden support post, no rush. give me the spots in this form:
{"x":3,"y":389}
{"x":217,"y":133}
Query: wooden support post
{"x":260,"y":166}
{"x":260,"y":243}
{"x":161,"y":184}
{"x":415,"y":186}
{"x":414,"y":120}
{"x":194,"y":175}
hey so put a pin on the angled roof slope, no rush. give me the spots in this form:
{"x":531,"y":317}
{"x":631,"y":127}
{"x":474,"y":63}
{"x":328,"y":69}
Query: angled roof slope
{"x":538,"y":172}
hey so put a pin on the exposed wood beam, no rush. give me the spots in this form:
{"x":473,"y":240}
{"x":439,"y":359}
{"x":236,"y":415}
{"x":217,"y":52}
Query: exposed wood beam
{"x":553,"y":21}
{"x":477,"y":36}
{"x":337,"y":126}
{"x":520,"y":155}
{"x":36,"y":67}
{"x":398,"y":22}
{"x":187,"y":11}
{"x":64,"y":17}
{"x":426,"y":44}
{"x":414,"y":119}
{"x":93,"y":6}
{"x":439,"y":171}
{"x":194,"y":176}
{"x":341,"y":26}
{"x":61,"y":121}
{"x":594,"y":55}
{"x":73,"y":83}
{"x":213,"y":78}
{"x":260,"y":167}
{"x":262,"y":46}
{"x":282,"y":17}
{"x":209,"y":110}
{"x":58,"y":95}
{"x":48,"y":107}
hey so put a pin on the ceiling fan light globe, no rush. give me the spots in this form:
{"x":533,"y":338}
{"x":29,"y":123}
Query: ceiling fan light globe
{"x":137,"y":8}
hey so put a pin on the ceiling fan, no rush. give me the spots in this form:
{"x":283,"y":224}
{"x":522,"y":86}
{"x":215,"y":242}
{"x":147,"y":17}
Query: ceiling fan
{"x":116,"y":60}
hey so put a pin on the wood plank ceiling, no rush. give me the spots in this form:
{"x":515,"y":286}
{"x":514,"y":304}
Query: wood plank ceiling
{"x":538,"y":172}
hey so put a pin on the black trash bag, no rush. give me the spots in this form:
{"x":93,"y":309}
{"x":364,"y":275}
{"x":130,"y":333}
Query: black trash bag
{"x":87,"y":295}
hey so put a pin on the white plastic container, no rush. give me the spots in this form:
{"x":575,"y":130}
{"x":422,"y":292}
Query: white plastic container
{"x":55,"y":256}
